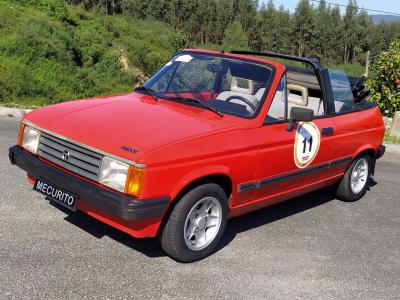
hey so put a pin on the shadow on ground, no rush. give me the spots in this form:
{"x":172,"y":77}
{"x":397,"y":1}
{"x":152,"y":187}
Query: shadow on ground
{"x":151,"y":248}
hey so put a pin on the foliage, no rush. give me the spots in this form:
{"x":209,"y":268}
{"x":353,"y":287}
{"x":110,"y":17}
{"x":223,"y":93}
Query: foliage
{"x":303,"y":27}
{"x":391,"y":139}
{"x":235,"y":37}
{"x":51,"y":51}
{"x":382,"y":82}
{"x":314,"y":31}
{"x":179,"y":40}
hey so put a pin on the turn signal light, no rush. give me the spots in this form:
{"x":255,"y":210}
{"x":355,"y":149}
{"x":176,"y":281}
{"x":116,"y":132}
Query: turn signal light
{"x":134,"y":181}
{"x":20,"y":134}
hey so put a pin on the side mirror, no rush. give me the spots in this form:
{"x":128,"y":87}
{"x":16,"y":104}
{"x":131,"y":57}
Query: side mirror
{"x":298,"y":114}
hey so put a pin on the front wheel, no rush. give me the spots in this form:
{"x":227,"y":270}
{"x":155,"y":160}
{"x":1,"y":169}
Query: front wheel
{"x":196,"y":224}
{"x":354,"y":183}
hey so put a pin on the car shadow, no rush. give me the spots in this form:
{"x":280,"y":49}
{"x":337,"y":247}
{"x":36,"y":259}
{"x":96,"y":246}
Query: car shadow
{"x":147,"y":246}
{"x":261,"y":217}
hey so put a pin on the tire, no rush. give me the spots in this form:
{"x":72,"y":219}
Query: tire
{"x":345,"y":190}
{"x":190,"y":213}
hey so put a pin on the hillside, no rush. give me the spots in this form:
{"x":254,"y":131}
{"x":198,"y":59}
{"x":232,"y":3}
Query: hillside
{"x":51,"y":51}
{"x":384,"y":18}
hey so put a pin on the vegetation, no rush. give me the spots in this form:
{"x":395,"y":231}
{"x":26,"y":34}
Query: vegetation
{"x":51,"y":51}
{"x":391,"y":139}
{"x":382,"y":82}
{"x":315,"y":31}
{"x":54,"y":50}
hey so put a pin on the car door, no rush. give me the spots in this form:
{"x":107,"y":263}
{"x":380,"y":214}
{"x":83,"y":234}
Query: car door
{"x":293,"y":161}
{"x":354,"y":128}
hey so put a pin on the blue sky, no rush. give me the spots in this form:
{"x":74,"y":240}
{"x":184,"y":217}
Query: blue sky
{"x":385,"y":5}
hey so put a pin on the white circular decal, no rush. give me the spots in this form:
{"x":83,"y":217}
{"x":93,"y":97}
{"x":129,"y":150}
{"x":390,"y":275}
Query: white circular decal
{"x":306,"y":144}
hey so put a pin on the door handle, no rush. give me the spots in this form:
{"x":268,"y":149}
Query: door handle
{"x":327,"y":131}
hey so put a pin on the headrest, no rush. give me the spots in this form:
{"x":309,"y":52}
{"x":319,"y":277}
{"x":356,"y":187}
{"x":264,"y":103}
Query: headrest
{"x":260,"y":93}
{"x":296,"y":99}
{"x":248,"y":86}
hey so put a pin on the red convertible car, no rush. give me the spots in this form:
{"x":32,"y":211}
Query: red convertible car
{"x":211,"y":135}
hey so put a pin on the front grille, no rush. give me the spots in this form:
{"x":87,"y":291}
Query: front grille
{"x":70,"y":156}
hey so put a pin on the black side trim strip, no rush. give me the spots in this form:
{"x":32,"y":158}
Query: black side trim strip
{"x":293,"y":174}
{"x":246,"y":187}
{"x":273,"y":180}
{"x":340,"y":161}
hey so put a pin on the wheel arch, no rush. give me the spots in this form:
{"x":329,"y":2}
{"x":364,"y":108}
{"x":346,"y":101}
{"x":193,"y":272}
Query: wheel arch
{"x":369,"y":150}
{"x":221,"y":179}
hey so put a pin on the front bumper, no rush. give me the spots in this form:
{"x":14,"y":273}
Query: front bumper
{"x":114,"y":203}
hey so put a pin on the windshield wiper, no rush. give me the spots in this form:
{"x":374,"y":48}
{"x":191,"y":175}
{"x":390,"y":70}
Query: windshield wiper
{"x":148,"y":91}
{"x":202,"y":103}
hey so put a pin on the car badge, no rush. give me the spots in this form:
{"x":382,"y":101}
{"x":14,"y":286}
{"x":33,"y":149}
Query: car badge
{"x":129,"y":149}
{"x":66,"y":155}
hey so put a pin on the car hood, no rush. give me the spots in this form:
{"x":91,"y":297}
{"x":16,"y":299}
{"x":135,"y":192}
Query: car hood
{"x":135,"y":121}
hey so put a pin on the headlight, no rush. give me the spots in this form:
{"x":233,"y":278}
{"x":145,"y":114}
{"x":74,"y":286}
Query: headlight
{"x":121,"y":176}
{"x":113,"y":174}
{"x":30,"y":139}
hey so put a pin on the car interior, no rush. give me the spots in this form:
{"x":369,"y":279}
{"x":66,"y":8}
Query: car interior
{"x":238,"y":87}
{"x":303,"y":90}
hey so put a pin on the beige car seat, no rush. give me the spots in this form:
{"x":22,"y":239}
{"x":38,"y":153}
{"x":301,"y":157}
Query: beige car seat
{"x":276,"y":110}
{"x":245,"y":92}
{"x":304,"y":100}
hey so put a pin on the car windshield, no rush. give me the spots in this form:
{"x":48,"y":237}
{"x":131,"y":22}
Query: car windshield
{"x":212,"y":82}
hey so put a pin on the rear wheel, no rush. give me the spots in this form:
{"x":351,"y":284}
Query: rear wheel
{"x":354,"y":183}
{"x":196,"y":224}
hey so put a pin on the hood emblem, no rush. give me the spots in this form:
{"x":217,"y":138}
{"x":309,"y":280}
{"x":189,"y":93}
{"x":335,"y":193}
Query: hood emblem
{"x":65,"y":155}
{"x":129,"y":149}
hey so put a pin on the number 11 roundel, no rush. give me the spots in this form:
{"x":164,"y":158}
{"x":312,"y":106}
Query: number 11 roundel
{"x":306,"y":144}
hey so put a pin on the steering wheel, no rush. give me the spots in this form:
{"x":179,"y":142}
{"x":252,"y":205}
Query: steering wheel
{"x":240,"y":98}
{"x":178,"y":80}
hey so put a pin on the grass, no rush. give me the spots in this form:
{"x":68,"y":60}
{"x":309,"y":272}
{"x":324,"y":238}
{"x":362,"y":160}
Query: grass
{"x":391,"y":139}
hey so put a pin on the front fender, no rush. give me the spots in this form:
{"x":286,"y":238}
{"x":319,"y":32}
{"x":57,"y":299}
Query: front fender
{"x":198,"y":174}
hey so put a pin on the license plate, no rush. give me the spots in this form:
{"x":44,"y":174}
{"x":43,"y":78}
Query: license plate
{"x":56,"y":194}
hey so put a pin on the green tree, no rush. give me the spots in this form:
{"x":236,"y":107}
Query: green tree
{"x":245,"y":12}
{"x":235,"y":37}
{"x":268,"y":26}
{"x":224,"y":16}
{"x":203,"y":21}
{"x":283,"y":25}
{"x":322,"y":26}
{"x":333,"y":49}
{"x":349,"y":31}
{"x":363,"y":37}
{"x":303,"y":27}
{"x":110,"y":7}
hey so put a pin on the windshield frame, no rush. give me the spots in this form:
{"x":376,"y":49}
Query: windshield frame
{"x":233,"y":58}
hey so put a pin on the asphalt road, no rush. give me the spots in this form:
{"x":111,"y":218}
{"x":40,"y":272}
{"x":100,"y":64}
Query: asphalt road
{"x":310,"y":247}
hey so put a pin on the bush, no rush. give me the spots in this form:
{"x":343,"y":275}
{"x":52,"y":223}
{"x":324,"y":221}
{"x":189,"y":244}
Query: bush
{"x":382,"y":82}
{"x":179,"y":40}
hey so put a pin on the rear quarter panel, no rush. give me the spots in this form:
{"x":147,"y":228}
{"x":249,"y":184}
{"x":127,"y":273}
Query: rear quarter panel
{"x":356,"y":132}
